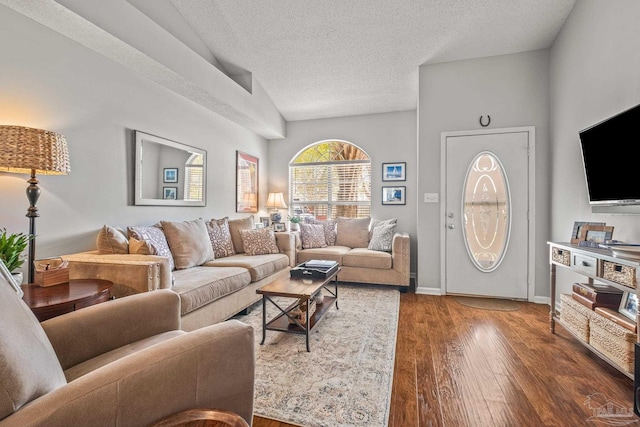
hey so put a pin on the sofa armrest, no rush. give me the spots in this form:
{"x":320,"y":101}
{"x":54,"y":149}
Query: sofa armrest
{"x":401,"y":254}
{"x":129,"y":273}
{"x":212,"y":367}
{"x":83,"y":334}
{"x":286,"y":242}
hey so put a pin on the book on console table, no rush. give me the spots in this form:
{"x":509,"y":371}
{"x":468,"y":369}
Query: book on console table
{"x":591,"y":305}
{"x":617,"y":318}
{"x":599,"y":293}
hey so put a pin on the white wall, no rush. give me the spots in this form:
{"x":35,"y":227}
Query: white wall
{"x":48,"y":81}
{"x":514,"y":91}
{"x":595,"y":63}
{"x":387,"y":138}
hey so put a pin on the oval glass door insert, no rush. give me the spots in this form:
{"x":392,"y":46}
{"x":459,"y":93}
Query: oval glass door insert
{"x":486,"y":211}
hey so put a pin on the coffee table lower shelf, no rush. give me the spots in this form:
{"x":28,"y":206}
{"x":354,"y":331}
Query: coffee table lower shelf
{"x":281,"y":321}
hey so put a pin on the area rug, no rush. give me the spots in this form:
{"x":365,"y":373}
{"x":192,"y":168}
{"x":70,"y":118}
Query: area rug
{"x":489,"y":303}
{"x":346,"y":378}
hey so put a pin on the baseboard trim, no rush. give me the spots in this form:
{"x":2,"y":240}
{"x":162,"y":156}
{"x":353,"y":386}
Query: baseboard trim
{"x":541,"y":300}
{"x":429,"y":291}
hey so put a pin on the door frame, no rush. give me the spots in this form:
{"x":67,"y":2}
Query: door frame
{"x":530,"y":130}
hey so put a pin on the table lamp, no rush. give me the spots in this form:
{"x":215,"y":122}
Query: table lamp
{"x":30,"y":151}
{"x":275,"y":201}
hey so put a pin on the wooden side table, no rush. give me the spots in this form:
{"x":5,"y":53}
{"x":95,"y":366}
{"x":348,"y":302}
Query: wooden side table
{"x":51,"y":301}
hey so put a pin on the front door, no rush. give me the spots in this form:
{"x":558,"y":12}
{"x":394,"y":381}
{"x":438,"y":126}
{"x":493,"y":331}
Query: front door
{"x":486,"y":209}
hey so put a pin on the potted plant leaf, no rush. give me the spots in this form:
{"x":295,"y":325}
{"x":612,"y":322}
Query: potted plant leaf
{"x":294,"y":220}
{"x":11,"y":248}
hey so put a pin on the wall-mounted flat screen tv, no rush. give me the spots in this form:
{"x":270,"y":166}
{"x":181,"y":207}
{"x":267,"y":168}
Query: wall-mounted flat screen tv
{"x":610,"y":159}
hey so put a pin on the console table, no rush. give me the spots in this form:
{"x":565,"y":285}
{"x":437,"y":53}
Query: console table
{"x":51,"y":301}
{"x":594,"y":263}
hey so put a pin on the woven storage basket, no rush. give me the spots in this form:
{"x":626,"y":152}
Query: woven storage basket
{"x":575,"y":316}
{"x":299,"y":313}
{"x":614,"y":341}
{"x":619,"y":273}
{"x":561,"y":256}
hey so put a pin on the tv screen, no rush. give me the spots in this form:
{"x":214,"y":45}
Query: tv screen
{"x":611,"y":162}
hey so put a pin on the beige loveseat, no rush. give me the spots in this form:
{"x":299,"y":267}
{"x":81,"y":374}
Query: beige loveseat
{"x":349,"y":243}
{"x":211,"y":291}
{"x":121,"y":363}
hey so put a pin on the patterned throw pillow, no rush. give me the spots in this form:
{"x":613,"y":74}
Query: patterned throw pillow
{"x":156,"y":237}
{"x":312,"y":236}
{"x":382,"y":237}
{"x":259,"y":242}
{"x":330,"y":229}
{"x":377,"y":222}
{"x":220,"y":237}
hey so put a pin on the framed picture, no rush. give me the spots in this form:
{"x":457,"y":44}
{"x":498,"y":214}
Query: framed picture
{"x":170,"y":175}
{"x":577,"y":230}
{"x":265,"y":221}
{"x":279,"y":226}
{"x":393,"y":195}
{"x":394,"y":171}
{"x":5,"y":276}
{"x":629,"y":305}
{"x":246,"y":183}
{"x":170,"y":193}
{"x":593,"y":235}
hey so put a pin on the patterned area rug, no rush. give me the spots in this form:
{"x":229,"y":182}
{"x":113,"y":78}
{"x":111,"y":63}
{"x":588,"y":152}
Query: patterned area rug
{"x":346,"y":378}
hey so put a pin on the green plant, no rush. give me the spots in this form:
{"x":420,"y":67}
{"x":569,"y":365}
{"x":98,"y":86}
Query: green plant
{"x":11,"y":248}
{"x":294,"y":219}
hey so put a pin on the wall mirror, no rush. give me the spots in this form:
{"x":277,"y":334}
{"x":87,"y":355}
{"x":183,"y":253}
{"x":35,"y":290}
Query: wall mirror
{"x":169,"y":173}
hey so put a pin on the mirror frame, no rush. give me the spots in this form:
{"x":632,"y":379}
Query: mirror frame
{"x":138,"y":199}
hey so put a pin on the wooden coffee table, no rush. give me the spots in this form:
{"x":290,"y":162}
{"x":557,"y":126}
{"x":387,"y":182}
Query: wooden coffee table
{"x":301,"y":290}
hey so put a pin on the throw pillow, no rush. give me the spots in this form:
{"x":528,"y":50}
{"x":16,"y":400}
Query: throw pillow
{"x":353,"y":232}
{"x":112,"y":240}
{"x":259,"y":242}
{"x":312,"y":236}
{"x":376,"y":222}
{"x":156,"y":237}
{"x":382,"y":237}
{"x":235,"y":225}
{"x":329,"y":226}
{"x":141,"y":247}
{"x":189,"y":242}
{"x":220,"y":237}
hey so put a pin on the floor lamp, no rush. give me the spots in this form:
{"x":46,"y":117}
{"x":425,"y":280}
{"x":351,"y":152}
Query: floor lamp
{"x":33,"y":151}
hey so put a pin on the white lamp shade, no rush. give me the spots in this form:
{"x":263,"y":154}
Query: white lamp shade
{"x":275,"y":201}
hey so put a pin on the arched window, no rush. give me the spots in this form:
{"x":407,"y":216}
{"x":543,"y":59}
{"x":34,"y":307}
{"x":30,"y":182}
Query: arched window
{"x":194,"y":177}
{"x":330,"y":179}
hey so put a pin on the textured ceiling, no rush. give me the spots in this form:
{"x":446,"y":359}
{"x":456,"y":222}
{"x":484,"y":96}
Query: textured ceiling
{"x":330,"y":58}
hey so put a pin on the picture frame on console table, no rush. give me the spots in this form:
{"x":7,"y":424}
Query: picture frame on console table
{"x":629,"y":305}
{"x":594,"y":235}
{"x":577,"y":230}
{"x":265,"y":221}
{"x":279,"y":226}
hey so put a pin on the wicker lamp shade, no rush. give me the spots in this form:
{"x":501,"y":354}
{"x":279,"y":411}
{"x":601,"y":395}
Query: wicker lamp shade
{"x":24,"y":149}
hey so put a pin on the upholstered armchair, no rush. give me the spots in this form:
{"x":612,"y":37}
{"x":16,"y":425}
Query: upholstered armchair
{"x":120,"y":363}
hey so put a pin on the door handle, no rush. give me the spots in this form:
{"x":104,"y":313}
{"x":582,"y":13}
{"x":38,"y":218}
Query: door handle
{"x":451,"y":226}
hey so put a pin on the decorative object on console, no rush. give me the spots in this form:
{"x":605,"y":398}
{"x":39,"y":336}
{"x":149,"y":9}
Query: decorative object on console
{"x":394,"y":171}
{"x":246,"y":182}
{"x":394,"y":195}
{"x":275,"y":201}
{"x":629,"y":305}
{"x":577,"y":230}
{"x":265,"y":221}
{"x":33,"y":151}
{"x":295,"y":222}
{"x":279,"y":226}
{"x":595,"y":235}
{"x":51,"y":271}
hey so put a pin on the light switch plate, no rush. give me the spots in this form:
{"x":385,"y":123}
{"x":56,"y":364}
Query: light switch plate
{"x":431,"y":197}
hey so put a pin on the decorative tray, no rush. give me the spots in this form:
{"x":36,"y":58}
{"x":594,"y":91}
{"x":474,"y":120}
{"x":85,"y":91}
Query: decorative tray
{"x":625,"y":251}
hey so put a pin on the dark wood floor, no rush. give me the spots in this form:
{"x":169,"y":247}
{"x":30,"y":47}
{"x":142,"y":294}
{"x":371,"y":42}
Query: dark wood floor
{"x":458,"y":366}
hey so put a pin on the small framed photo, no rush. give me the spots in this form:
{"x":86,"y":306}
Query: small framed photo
{"x":594,"y":235}
{"x":170,"y":175}
{"x":394,"y":171}
{"x":170,"y":193}
{"x":394,"y":195}
{"x":577,"y":230}
{"x":279,"y":226}
{"x":629,"y":305}
{"x":264,"y":220}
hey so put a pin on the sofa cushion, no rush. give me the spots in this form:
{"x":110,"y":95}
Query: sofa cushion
{"x":353,"y":232}
{"x":312,"y":236}
{"x":333,"y":253}
{"x":29,"y":367}
{"x":382,"y":237}
{"x":259,"y":266}
{"x":259,"y":242}
{"x":235,"y":225}
{"x":220,"y":237}
{"x":189,"y":242}
{"x":362,"y":257}
{"x":112,"y":240}
{"x":198,"y":286}
{"x":155,"y":235}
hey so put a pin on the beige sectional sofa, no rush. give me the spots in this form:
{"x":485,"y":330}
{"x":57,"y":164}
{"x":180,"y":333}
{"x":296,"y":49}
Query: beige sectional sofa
{"x":211,"y":291}
{"x":354,"y":245}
